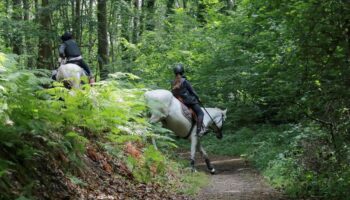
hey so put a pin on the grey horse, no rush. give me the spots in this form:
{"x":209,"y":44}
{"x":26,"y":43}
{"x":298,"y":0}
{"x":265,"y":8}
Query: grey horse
{"x":167,"y":109}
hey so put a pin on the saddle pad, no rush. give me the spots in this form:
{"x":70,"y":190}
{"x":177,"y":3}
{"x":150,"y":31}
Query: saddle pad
{"x":188,"y":113}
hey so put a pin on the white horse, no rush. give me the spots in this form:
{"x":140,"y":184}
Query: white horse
{"x":166,"y":108}
{"x":70,"y":74}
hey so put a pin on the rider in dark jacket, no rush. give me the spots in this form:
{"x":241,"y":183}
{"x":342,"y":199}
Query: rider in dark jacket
{"x":69,"y":49}
{"x":183,"y":90}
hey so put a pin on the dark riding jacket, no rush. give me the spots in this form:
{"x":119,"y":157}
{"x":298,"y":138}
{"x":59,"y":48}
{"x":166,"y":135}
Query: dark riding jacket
{"x":185,"y":92}
{"x":69,"y":49}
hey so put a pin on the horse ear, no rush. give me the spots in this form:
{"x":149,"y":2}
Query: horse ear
{"x":225,"y":111}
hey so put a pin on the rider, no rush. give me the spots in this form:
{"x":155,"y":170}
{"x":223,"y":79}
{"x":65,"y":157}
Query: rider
{"x":69,"y":49}
{"x":183,"y":90}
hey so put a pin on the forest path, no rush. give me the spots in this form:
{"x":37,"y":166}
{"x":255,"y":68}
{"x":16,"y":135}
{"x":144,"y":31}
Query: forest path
{"x":235,"y":180}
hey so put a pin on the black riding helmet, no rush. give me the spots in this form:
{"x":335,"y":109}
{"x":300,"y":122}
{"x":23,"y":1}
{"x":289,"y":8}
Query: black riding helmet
{"x":66,"y":36}
{"x":179,"y":69}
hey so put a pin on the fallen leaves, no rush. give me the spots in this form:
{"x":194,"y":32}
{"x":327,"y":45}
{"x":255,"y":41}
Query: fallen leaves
{"x":132,"y":150}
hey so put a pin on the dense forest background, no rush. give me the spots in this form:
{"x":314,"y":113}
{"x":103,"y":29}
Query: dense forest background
{"x":281,"y":67}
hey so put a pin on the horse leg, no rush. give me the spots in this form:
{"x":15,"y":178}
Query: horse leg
{"x":206,"y":158}
{"x":194,"y":141}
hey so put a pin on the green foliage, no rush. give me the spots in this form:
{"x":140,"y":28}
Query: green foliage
{"x":76,"y":142}
{"x":151,"y":166}
{"x":295,"y":158}
{"x":37,"y":123}
{"x":269,"y":62}
{"x":284,"y":63}
{"x":154,"y":159}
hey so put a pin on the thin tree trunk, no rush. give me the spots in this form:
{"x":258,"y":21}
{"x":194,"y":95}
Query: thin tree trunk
{"x":77,"y":21}
{"x":230,"y":4}
{"x":149,"y":15}
{"x":201,"y":12}
{"x":45,"y":45}
{"x":73,"y":14}
{"x":17,"y":37}
{"x":177,"y":4}
{"x":29,"y":49}
{"x":184,"y":2}
{"x":83,"y":7}
{"x":137,"y":22}
{"x":112,"y":33}
{"x":102,"y":38}
{"x":26,"y":7}
{"x":131,"y":23}
{"x":119,"y":33}
{"x":36,"y":7}
{"x":90,"y":28}
{"x":5,"y":35}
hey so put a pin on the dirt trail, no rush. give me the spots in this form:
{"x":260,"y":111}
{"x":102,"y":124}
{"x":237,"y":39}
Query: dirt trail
{"x":235,"y":180}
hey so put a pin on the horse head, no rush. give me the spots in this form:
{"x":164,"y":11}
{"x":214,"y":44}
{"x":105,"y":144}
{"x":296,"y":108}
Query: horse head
{"x":217,"y":120}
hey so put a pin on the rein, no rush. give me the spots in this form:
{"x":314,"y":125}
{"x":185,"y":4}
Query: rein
{"x":193,"y":121}
{"x":210,"y":115}
{"x":222,"y":125}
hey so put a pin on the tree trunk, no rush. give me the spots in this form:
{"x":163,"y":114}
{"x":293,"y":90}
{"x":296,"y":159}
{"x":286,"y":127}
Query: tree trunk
{"x":26,"y":7}
{"x":90,"y":28}
{"x":137,"y":22}
{"x":149,"y":15}
{"x":77,"y":21}
{"x":45,"y":45}
{"x":131,"y":23}
{"x":112,"y":24}
{"x":36,"y":7}
{"x":230,"y":4}
{"x":119,"y":32}
{"x":184,"y":2}
{"x":5,"y":35}
{"x":17,"y":37}
{"x":102,"y":38}
{"x":201,"y":12}
{"x":72,"y":13}
{"x":28,"y":45}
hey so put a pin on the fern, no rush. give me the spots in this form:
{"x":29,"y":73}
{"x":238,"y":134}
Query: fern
{"x":36,"y":122}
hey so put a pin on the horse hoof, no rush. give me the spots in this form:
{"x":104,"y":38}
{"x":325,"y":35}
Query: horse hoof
{"x":193,"y":170}
{"x":212,"y":171}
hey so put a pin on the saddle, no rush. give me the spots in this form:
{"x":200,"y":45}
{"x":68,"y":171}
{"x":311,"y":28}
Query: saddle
{"x":187,"y":112}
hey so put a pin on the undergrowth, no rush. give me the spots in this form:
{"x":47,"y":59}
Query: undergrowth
{"x":60,"y":126}
{"x":296,"y":158}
